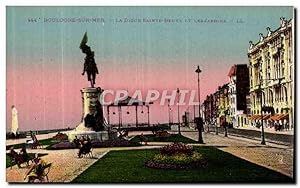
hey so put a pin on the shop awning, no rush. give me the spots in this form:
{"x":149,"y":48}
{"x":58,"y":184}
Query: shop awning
{"x":258,"y":117}
{"x":274,"y":117}
{"x":278,"y":117}
{"x":264,"y":117}
{"x":285,"y":116}
{"x":253,"y":117}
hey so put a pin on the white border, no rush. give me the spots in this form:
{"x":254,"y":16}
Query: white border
{"x":5,"y":3}
{"x":152,"y":2}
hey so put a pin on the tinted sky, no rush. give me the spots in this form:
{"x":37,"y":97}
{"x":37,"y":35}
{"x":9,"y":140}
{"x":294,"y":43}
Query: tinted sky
{"x":44,"y":63}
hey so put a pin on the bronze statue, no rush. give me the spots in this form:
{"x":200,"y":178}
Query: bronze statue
{"x":90,"y":66}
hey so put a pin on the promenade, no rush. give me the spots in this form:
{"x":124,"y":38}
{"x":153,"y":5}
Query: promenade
{"x":67,"y":166}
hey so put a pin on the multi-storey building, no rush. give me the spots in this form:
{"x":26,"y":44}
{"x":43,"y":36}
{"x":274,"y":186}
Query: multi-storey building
{"x":223,"y":105}
{"x":271,"y":72}
{"x":214,"y":109}
{"x":208,"y":109}
{"x":238,"y":91}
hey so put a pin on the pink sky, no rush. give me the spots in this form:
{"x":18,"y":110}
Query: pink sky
{"x":51,"y":98}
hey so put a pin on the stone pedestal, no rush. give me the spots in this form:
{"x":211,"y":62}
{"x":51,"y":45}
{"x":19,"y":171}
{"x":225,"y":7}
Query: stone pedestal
{"x":91,"y":98}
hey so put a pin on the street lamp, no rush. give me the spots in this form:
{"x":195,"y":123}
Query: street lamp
{"x":263,"y":142}
{"x":226,"y":111}
{"x":217,"y":103}
{"x":225,"y":124}
{"x":178,"y":92}
{"x":198,"y":71}
{"x":169,"y":112}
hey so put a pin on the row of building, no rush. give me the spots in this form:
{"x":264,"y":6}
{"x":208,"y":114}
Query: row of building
{"x":263,"y":89}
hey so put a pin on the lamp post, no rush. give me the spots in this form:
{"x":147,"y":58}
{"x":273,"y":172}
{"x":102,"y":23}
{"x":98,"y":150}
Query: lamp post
{"x":216,"y":126}
{"x":225,"y":124}
{"x":169,"y":112}
{"x":217,"y":110}
{"x":178,"y":92}
{"x":198,"y":71}
{"x":226,"y":111}
{"x":263,"y":142}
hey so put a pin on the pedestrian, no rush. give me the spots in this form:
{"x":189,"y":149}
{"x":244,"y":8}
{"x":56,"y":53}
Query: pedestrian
{"x":86,"y":147}
{"x":76,"y":141}
{"x":36,"y":169}
{"x":143,"y":139}
{"x":199,"y":126}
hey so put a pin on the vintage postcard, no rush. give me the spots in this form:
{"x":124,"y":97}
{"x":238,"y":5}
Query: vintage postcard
{"x":150,"y":94}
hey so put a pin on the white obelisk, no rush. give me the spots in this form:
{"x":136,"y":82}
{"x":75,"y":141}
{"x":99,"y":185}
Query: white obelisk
{"x":14,"y":120}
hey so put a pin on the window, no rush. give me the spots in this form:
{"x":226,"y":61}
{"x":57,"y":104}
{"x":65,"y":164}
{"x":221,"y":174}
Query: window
{"x":282,"y":69}
{"x":263,"y":98}
{"x":268,"y":65}
{"x":270,"y":97}
{"x":285,"y":94}
{"x":276,"y":66}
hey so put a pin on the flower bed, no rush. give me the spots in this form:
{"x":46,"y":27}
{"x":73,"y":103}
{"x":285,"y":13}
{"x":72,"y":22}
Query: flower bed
{"x":60,"y":137}
{"x":61,"y":145}
{"x":162,"y":134}
{"x":176,"y":148}
{"x":177,"y":156}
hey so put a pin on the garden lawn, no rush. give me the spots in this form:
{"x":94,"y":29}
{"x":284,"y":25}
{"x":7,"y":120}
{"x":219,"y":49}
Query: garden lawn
{"x":129,"y":167}
{"x":172,"y":138}
{"x":44,"y":142}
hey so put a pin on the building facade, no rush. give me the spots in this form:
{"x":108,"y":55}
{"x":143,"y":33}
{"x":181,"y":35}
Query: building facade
{"x":208,"y":109}
{"x":238,"y":93}
{"x":271,"y":76}
{"x":223,"y":105}
{"x":216,"y":107}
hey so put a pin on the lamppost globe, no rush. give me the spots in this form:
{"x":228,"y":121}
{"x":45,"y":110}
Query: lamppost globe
{"x":198,"y":70}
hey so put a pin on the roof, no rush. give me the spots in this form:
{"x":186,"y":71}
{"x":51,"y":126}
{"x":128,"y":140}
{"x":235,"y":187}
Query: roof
{"x":129,"y":101}
{"x":232,"y":71}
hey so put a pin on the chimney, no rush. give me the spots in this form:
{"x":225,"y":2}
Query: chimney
{"x":251,"y":44}
{"x":261,"y":37}
{"x":269,"y":31}
{"x":282,"y":21}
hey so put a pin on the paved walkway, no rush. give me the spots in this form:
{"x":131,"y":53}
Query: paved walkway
{"x":273,"y":156}
{"x":269,"y":130}
{"x":253,"y":128}
{"x":66,"y":165}
{"x":39,"y":137}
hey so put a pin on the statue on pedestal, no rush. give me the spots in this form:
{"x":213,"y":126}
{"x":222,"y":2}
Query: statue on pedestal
{"x":90,"y":66}
{"x":93,"y":123}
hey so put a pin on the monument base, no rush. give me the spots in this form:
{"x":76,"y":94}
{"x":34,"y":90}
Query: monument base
{"x":81,"y":130}
{"x":99,"y":136}
{"x":91,"y":100}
